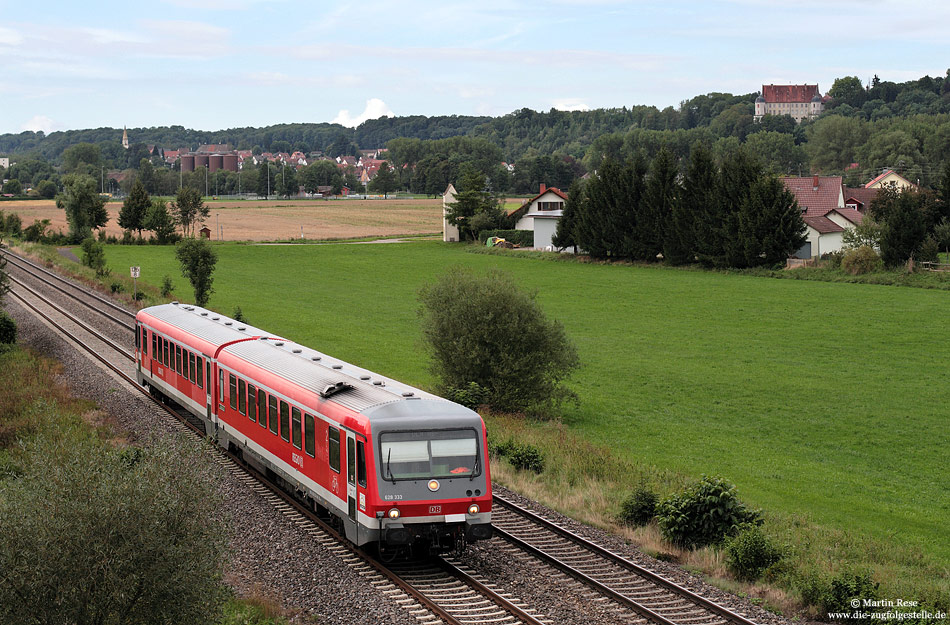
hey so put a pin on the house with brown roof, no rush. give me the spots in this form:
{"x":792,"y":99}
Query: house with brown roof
{"x":798,"y":101}
{"x":541,"y":214}
{"x":826,"y":216}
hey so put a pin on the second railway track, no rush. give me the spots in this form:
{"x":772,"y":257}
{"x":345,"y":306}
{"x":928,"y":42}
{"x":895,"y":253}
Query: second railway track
{"x":470,"y":602}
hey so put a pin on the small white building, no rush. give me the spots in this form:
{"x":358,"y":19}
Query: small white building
{"x":541,"y":214}
{"x":450,"y":233}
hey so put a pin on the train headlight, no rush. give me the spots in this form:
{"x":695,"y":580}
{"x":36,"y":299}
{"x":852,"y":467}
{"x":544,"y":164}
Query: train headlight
{"x":473,"y":509}
{"x":433,"y":485}
{"x":393,"y":513}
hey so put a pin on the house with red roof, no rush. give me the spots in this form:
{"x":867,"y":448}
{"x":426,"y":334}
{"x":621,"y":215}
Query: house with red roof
{"x":798,"y":101}
{"x":825,"y":212}
{"x":541,"y":214}
{"x":890,"y":178}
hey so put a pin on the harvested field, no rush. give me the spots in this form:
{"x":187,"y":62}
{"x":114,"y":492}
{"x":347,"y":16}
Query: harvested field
{"x":276,"y":219}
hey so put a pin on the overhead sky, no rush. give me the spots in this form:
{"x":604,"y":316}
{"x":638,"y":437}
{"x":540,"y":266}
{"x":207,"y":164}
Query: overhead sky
{"x":214,"y":64}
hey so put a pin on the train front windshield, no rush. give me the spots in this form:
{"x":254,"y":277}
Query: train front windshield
{"x":426,"y":455}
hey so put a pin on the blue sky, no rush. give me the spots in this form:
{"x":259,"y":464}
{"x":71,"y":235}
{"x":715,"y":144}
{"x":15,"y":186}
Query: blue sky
{"x":213,"y":64}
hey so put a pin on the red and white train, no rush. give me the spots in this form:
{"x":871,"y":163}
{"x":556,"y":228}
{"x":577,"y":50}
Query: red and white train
{"x":396,"y":465}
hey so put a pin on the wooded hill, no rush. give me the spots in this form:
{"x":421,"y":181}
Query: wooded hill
{"x":904,"y":126}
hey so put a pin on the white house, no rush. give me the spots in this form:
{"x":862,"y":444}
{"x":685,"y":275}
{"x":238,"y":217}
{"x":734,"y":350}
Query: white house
{"x":824,"y":211}
{"x":541,"y":214}
{"x":449,"y":232}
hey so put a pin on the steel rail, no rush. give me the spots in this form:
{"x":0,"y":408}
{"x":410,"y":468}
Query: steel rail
{"x":17,"y":259}
{"x":619,"y":560}
{"x":407,"y":588}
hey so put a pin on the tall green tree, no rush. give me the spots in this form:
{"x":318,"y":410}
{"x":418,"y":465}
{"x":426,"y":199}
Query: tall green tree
{"x":565,"y":235}
{"x":736,"y":176}
{"x":289,"y":186}
{"x":384,"y":181}
{"x":656,"y":207}
{"x":266,"y":180}
{"x":134,"y":208}
{"x":475,"y":208}
{"x":189,"y":209}
{"x":147,"y":175}
{"x":85,"y":209}
{"x":160,"y":221}
{"x":696,"y":200}
{"x":770,"y":225}
{"x":903,"y":219}
{"x":197,"y":259}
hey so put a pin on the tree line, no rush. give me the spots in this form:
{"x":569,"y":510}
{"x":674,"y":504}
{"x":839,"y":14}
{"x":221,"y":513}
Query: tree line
{"x":903,"y":126}
{"x":733,"y":215}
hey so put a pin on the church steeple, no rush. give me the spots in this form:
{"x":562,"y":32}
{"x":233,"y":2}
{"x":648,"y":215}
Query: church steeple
{"x":125,"y":138}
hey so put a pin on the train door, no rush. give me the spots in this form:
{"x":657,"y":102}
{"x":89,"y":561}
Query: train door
{"x":209,"y":383}
{"x":351,"y":474}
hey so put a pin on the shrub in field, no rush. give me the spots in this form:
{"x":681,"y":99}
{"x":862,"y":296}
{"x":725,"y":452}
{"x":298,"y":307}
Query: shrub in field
{"x":94,"y":256}
{"x":484,"y":329}
{"x":472,"y":395}
{"x":929,"y":250}
{"x":7,"y":329}
{"x":704,"y":514}
{"x":167,"y":287}
{"x":836,"y":594}
{"x":197,"y":259}
{"x":522,"y":456}
{"x":639,"y":508}
{"x":239,"y":315}
{"x":750,"y":552}
{"x":861,"y":260}
{"x":148,"y":527}
{"x":116,"y":287}
{"x":833,"y":259}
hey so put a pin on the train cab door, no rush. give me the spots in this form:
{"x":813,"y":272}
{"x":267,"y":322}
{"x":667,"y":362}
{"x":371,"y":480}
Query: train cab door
{"x":351,"y":475}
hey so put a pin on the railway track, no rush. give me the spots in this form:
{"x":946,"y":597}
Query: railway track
{"x":651,"y":596}
{"x":445,"y":593}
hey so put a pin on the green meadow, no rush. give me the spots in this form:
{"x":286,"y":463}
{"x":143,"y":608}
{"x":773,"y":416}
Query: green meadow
{"x":823,"y":401}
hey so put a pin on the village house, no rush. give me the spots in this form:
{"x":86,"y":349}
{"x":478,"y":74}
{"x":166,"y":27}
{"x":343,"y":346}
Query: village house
{"x":541,"y":214}
{"x":891,"y":178}
{"x":826,"y":212}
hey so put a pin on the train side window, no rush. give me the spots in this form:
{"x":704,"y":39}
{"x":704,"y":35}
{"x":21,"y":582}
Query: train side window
{"x":185,"y":366}
{"x":232,"y":385}
{"x":137,"y":338}
{"x":178,"y":359}
{"x":193,"y":361}
{"x":295,"y":425}
{"x":361,"y":463}
{"x":262,"y":408}
{"x":144,"y":341}
{"x":251,"y":403}
{"x":164,"y":352}
{"x":201,"y":369}
{"x":350,"y":461}
{"x":284,"y":421}
{"x":272,"y":413}
{"x":242,"y":397}
{"x":154,"y":344}
{"x":220,"y":385}
{"x":334,"y":451}
{"x":309,"y":434}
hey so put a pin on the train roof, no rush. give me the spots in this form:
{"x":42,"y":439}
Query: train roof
{"x":335,"y":380}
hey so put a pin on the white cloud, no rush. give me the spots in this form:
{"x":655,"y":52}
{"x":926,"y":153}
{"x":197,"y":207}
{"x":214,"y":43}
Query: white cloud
{"x":38,"y":123}
{"x":375,"y":108}
{"x":570,"y":104}
{"x":10,"y":37}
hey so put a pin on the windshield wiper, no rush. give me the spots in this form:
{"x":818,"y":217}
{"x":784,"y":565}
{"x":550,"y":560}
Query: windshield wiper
{"x":474,"y":468}
{"x":388,"y":468}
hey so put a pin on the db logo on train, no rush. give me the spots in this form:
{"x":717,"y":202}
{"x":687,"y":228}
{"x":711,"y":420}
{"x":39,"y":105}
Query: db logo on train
{"x":435,"y":509}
